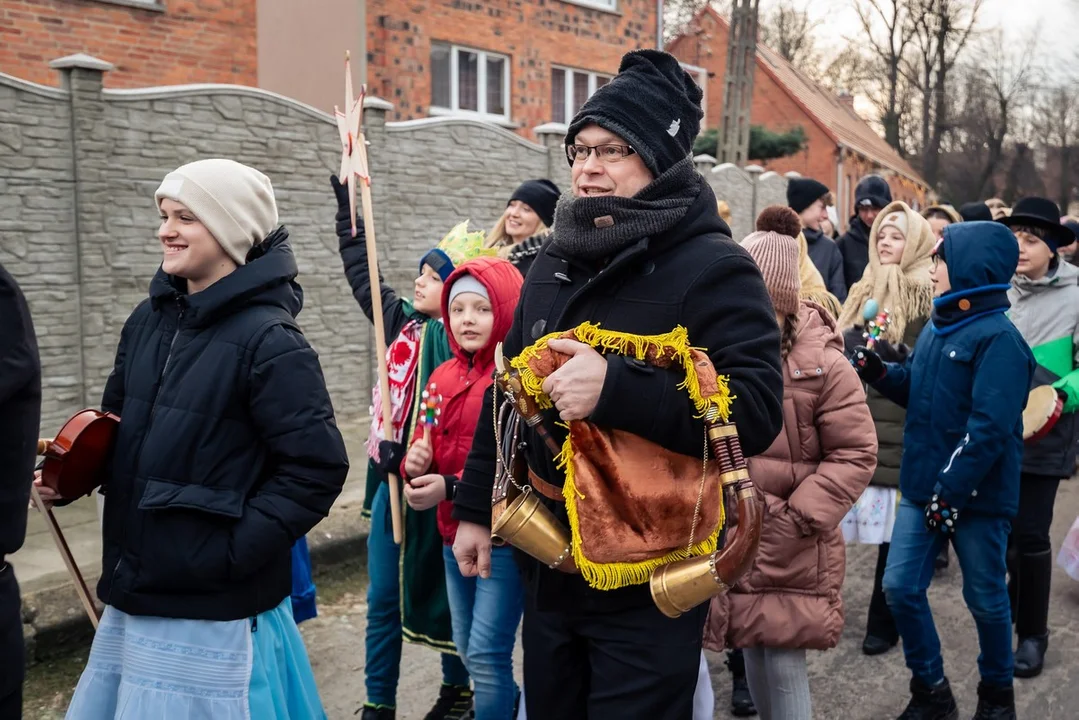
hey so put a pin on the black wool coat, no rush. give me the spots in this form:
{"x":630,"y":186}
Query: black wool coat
{"x":693,"y":275}
{"x":227,"y":450}
{"x":20,"y":412}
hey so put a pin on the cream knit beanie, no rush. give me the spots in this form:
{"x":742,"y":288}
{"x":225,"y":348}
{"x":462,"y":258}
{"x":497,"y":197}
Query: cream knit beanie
{"x":776,"y":254}
{"x":235,"y":202}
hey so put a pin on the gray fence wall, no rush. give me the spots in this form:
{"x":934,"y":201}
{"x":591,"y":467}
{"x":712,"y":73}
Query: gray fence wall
{"x":79,"y":166}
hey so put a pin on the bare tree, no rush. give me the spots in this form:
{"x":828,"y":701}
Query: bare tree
{"x":1056,"y":123}
{"x":888,"y":32}
{"x":941,"y":31}
{"x":788,"y":30}
{"x":678,"y":15}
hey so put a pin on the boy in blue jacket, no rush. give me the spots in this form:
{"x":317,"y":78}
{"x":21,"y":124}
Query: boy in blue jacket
{"x":964,"y":389}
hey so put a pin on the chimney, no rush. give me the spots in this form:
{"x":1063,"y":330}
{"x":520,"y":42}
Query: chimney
{"x":847,"y":99}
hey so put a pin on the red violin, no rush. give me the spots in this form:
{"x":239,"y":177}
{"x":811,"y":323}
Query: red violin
{"x":75,"y":460}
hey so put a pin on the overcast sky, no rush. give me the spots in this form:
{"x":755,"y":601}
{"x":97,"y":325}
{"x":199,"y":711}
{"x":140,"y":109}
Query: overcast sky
{"x":1057,"y":20}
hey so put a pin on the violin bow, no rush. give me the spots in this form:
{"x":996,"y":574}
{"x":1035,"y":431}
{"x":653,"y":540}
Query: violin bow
{"x":61,"y":544}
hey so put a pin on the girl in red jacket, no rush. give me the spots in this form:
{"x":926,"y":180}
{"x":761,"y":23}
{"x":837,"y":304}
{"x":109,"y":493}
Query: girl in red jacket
{"x":478,"y":301}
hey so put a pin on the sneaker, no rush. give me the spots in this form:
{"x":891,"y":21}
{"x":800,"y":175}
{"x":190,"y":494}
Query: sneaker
{"x":454,"y":703}
{"x":741,"y":700}
{"x":995,"y":703}
{"x":930,"y":703}
{"x":378,"y":712}
{"x":873,"y":645}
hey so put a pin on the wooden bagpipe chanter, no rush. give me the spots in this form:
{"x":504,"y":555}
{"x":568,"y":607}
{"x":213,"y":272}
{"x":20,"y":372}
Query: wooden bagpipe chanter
{"x":616,"y":536}
{"x":73,"y":466}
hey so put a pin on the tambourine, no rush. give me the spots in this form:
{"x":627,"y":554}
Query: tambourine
{"x":1044,"y":408}
{"x":75,"y":459}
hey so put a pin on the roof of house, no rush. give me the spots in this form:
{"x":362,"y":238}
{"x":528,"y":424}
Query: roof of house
{"x":835,"y":118}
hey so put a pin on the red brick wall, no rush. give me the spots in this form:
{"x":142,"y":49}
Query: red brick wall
{"x":534,"y":35}
{"x":192,"y":41}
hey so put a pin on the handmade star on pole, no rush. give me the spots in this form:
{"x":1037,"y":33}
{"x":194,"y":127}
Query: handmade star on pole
{"x":353,"y":152}
{"x":354,"y":169}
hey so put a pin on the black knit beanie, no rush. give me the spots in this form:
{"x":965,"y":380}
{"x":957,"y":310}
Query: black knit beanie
{"x":541,"y":196}
{"x":872,"y":191}
{"x":976,"y":212}
{"x":652,"y":104}
{"x":803,"y":192}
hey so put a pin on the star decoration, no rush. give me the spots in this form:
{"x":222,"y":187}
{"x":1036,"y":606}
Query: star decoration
{"x":353,"y":153}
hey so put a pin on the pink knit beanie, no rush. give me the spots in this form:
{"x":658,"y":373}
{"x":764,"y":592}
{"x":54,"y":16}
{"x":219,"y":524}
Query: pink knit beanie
{"x":775,"y":251}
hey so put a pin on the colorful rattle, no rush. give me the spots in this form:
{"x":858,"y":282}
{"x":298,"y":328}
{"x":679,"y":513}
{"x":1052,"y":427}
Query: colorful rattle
{"x":430,"y":408}
{"x":876,"y":323}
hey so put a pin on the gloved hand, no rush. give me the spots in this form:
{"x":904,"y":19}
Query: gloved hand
{"x":390,"y":456}
{"x":344,"y":216}
{"x":853,"y":337}
{"x":939,"y":515}
{"x":868,"y":364}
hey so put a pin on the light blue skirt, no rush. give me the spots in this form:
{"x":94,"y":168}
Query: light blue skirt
{"x":167,"y":669}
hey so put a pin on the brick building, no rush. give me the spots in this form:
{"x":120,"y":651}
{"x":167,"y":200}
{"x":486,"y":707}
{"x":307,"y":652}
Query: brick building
{"x":841,"y":147}
{"x":150,"y":42}
{"x":518,"y":63}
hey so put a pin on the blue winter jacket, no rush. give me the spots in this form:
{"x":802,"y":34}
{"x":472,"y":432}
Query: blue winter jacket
{"x":965,"y":385}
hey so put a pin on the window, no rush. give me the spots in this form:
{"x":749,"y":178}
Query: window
{"x":469,"y":81}
{"x":570,"y":89}
{"x":611,"y":5}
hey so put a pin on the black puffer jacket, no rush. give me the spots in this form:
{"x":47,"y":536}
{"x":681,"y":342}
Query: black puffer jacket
{"x":20,"y":412}
{"x":828,"y":261}
{"x":854,"y":247}
{"x":694,"y":276}
{"x":227,"y":451}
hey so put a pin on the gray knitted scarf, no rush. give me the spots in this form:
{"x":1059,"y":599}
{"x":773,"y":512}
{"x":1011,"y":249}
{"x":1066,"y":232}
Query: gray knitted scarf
{"x":591,"y":228}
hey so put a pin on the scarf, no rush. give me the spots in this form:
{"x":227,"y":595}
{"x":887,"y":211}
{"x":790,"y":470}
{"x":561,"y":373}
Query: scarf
{"x":592,"y":228}
{"x":904,"y":288}
{"x":402,"y":359}
{"x":812,"y":283}
{"x":959,"y":309}
{"x":523,"y":250}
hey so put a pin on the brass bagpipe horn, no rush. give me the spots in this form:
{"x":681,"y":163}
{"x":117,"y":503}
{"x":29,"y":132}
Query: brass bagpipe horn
{"x":682,"y":585}
{"x":523,"y":520}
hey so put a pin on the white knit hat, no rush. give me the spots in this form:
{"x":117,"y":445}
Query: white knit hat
{"x":235,"y":202}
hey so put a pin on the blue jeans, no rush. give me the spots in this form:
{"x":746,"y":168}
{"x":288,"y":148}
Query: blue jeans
{"x":485,"y":617}
{"x":383,"y":666}
{"x":980,"y":543}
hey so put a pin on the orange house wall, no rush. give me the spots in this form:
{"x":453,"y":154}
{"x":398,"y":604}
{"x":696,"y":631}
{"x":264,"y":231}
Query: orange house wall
{"x":534,"y":35}
{"x":206,"y":41}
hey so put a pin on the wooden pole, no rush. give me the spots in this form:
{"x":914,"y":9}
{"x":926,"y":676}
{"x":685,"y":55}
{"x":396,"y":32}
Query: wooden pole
{"x":65,"y":552}
{"x":380,"y":332}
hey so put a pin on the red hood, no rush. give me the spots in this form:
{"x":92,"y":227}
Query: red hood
{"x":503,"y":283}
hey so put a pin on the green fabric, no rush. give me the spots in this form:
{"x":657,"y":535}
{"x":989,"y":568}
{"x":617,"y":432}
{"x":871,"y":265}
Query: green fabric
{"x":1056,"y":356}
{"x":425,"y":608}
{"x":1069,"y":385}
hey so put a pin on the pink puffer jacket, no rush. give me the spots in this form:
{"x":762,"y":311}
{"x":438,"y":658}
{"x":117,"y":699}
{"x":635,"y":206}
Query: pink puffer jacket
{"x":809,"y":478}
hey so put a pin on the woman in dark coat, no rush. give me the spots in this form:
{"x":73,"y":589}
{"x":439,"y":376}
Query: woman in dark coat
{"x":227,"y":453}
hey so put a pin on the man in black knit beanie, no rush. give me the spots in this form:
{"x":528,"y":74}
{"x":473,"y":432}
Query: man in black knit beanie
{"x":638,"y":248}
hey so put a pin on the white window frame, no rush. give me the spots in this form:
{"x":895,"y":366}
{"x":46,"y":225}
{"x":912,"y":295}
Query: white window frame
{"x":593,"y":79}
{"x":701,"y":76}
{"x":481,"y":81}
{"x":605,"y":5}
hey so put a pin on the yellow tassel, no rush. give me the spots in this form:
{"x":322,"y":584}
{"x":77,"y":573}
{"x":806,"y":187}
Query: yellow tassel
{"x":674,"y":345}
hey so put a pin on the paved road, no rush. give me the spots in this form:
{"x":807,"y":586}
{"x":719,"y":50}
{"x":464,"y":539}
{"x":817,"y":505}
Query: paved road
{"x":845,"y":684}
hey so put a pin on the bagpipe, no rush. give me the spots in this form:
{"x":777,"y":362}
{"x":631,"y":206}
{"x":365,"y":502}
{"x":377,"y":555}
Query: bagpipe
{"x":637,"y":512}
{"x":74,"y":465}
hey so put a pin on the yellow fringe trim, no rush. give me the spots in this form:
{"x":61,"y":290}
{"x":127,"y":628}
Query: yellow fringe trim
{"x":675,"y":344}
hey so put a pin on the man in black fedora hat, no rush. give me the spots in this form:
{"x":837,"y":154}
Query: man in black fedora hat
{"x":639,"y":248}
{"x":1045,"y":308}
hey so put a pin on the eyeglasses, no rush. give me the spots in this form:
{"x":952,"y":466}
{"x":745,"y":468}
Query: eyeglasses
{"x":608,"y":153}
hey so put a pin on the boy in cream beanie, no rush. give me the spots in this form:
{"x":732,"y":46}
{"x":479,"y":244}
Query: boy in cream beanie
{"x":235,"y":202}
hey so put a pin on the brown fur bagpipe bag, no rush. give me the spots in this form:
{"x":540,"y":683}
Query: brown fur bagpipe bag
{"x":636,"y":510}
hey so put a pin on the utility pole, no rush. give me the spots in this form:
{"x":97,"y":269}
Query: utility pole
{"x":733,"y":143}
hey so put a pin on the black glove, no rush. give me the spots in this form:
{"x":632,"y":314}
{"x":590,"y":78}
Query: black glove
{"x":344,"y":215}
{"x":939,"y":515}
{"x":390,"y":456}
{"x":868,"y":364}
{"x":853,"y":337}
